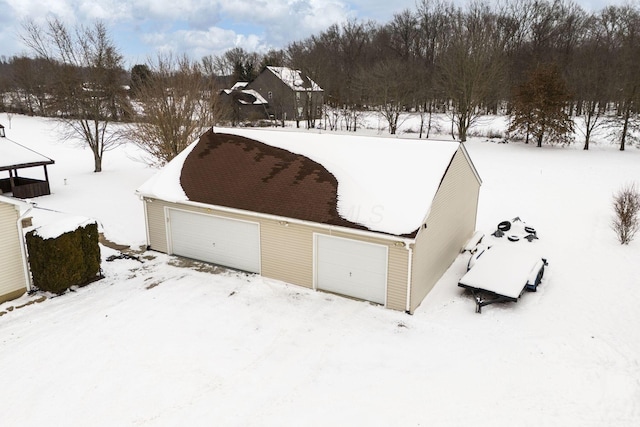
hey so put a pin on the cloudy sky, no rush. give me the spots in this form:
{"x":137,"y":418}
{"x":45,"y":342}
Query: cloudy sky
{"x":202,"y":27}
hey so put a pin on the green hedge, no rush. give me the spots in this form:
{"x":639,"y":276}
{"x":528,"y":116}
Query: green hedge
{"x":71,"y":259}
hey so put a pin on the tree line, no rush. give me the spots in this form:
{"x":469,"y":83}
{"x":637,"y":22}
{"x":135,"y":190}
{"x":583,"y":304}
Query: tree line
{"x":477,"y":59}
{"x":542,"y":62}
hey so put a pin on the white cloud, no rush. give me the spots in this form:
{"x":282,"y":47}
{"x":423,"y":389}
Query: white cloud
{"x":200,"y":43}
{"x":288,"y":20}
{"x":289,"y":14}
{"x":253,"y":25}
{"x":196,"y":26}
{"x":38,"y":10}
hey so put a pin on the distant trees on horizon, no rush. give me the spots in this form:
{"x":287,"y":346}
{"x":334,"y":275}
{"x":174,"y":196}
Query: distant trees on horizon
{"x":461,"y":61}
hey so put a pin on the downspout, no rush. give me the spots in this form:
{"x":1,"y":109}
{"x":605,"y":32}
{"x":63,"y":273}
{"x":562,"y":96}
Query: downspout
{"x":146,"y":221}
{"x":23,"y":249}
{"x":409,"y":267}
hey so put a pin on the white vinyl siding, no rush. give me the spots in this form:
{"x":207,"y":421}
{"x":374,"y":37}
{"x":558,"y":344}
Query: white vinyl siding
{"x":214,"y":239}
{"x":156,"y":225}
{"x":13,"y":281}
{"x":352,"y":268}
{"x":287,"y":249}
{"x":450,"y":224}
{"x":287,"y":252}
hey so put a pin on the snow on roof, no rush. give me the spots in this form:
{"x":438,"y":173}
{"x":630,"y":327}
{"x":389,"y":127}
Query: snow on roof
{"x":295,"y":79}
{"x":385,"y":184}
{"x":259,"y":98}
{"x":14,"y":154}
{"x":256,"y":98}
{"x":165,"y":184}
{"x":239,"y":85}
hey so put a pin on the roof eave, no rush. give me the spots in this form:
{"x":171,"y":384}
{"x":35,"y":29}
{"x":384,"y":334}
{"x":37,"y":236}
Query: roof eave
{"x":368,"y":233}
{"x":26,"y":165}
{"x":15,"y":202}
{"x":473,"y":166}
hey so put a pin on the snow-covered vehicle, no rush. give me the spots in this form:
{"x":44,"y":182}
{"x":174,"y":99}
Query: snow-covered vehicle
{"x":501,"y":271}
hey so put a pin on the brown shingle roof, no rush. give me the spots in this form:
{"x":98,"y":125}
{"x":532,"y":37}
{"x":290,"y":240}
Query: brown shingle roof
{"x":238,"y":172}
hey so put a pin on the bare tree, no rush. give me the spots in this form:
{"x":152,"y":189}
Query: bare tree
{"x":624,"y":22}
{"x":88,"y":91}
{"x":177,"y":104}
{"x":591,"y":80}
{"x":471,"y":64}
{"x":435,"y":31}
{"x":216,"y":65}
{"x":404,"y":30}
{"x":626,"y":206}
{"x":391,"y":89}
{"x":31,"y":81}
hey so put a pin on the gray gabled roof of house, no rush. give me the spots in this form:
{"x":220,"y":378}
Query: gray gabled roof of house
{"x":295,"y":79}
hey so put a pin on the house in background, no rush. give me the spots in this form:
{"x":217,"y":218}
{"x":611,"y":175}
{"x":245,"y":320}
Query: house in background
{"x":377,"y":219}
{"x":15,"y":157}
{"x":244,"y":104}
{"x":14,"y":271}
{"x":291,"y":95}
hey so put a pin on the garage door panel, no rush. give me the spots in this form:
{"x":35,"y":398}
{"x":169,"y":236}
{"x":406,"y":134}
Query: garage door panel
{"x":350,"y":267}
{"x":218,"y":240}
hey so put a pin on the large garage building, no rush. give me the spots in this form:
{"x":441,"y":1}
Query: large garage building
{"x":377,"y":219}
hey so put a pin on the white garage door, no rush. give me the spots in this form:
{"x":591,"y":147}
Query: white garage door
{"x":218,"y":240}
{"x":350,"y":267}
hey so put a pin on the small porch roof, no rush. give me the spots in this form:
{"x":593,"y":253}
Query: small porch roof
{"x":16,"y":156}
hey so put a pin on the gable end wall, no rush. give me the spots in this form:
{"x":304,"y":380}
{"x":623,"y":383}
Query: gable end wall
{"x":450,"y":223}
{"x":282,"y":95}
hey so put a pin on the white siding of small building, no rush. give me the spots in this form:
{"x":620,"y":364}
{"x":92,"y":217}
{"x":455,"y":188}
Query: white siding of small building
{"x":450,"y":223}
{"x":13,"y":280}
{"x":215,"y":239}
{"x":351,"y":267}
{"x":287,"y":247}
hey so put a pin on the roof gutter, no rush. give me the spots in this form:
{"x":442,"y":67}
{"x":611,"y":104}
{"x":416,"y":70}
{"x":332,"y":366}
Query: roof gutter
{"x":373,"y":234}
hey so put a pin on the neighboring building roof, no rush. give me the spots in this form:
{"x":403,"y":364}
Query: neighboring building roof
{"x":246,"y":96}
{"x":16,"y":156}
{"x":380,"y":184}
{"x":295,"y":79}
{"x":239,"y":85}
{"x":259,"y":99}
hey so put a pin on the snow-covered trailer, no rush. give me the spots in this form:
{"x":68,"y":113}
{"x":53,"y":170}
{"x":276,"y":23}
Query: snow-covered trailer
{"x":502,"y":273}
{"x":377,"y":219}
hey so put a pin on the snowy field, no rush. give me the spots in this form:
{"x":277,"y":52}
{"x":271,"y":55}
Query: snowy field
{"x":159,"y":343}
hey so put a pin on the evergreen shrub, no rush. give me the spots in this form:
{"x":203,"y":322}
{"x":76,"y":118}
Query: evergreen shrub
{"x":71,"y":259}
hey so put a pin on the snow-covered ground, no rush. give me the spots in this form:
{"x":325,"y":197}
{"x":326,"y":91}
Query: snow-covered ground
{"x":158,"y":342}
